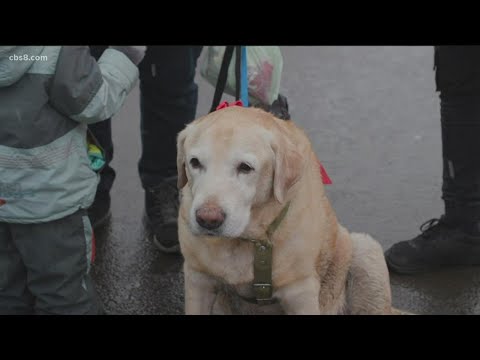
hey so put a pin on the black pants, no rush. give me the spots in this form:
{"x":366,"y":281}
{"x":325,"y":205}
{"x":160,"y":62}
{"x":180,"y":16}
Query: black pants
{"x":168,"y":101}
{"x":458,"y":81}
{"x":44,"y":268}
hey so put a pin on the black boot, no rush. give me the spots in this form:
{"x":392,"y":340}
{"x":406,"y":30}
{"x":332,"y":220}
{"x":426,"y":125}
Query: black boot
{"x":439,"y":245}
{"x":161,"y":207}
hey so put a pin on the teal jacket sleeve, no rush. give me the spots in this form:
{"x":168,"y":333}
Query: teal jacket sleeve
{"x":88,"y":91}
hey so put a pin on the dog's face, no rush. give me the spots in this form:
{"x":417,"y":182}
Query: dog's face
{"x":233,"y":160}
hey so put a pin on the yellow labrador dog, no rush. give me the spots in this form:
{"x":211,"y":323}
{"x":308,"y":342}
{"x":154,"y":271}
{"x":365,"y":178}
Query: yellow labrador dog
{"x":256,"y":230}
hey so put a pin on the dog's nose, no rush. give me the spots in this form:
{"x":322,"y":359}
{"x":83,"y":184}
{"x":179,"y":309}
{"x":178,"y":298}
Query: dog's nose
{"x":210,"y":217}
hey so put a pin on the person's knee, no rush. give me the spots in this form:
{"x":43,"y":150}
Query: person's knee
{"x":78,"y":298}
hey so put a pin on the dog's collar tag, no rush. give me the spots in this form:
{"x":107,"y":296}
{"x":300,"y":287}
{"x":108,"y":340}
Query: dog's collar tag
{"x":262,"y":272}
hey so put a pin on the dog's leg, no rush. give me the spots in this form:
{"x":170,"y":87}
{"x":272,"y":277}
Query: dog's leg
{"x":300,"y":297}
{"x":199,"y":292}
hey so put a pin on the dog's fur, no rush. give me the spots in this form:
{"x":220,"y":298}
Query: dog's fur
{"x":318,"y":266}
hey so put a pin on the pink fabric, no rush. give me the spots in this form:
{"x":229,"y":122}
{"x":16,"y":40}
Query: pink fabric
{"x":325,"y":178}
{"x":225,"y":104}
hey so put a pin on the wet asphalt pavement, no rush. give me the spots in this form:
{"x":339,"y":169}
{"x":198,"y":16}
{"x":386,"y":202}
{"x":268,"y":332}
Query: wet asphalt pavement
{"x":373,"y":117}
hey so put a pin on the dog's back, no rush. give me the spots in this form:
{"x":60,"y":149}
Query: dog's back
{"x":368,"y":284}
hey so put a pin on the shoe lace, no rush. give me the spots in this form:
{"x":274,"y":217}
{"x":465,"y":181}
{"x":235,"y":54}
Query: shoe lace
{"x":429,"y":227}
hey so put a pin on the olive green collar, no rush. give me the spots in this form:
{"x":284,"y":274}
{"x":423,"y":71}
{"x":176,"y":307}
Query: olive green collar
{"x":262,"y":262}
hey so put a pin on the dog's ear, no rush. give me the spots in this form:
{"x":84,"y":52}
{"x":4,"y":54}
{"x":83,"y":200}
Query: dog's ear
{"x":181,"y":170}
{"x":288,"y":166}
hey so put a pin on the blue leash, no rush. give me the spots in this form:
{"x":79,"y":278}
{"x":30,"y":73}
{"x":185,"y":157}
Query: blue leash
{"x":244,"y":77}
{"x":241,"y":76}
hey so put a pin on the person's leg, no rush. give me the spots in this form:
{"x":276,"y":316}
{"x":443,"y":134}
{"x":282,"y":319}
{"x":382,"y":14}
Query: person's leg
{"x":58,"y":256}
{"x":454,"y":239}
{"x":459,"y":87}
{"x":168,"y":101}
{"x":102,"y":131}
{"x":15,"y":299}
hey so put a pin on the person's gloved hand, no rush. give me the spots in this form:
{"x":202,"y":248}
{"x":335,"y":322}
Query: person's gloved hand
{"x":134,"y":53}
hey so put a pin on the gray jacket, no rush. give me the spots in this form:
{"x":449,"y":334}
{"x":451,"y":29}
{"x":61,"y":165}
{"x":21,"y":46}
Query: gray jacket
{"x":48,"y":95}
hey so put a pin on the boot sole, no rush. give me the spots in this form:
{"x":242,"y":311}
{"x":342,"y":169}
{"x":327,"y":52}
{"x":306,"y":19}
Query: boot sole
{"x":150,"y":236}
{"x":403,"y":270}
{"x":175,"y":249}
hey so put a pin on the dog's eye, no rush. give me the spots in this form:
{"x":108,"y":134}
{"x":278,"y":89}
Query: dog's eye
{"x":195,"y":163}
{"x":244,"y":168}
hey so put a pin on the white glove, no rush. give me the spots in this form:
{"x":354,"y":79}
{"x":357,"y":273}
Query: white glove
{"x":134,"y":53}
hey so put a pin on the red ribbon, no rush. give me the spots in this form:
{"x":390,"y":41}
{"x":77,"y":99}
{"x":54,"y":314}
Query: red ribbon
{"x":225,"y":104}
{"x":325,"y":178}
{"x":94,"y":248}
